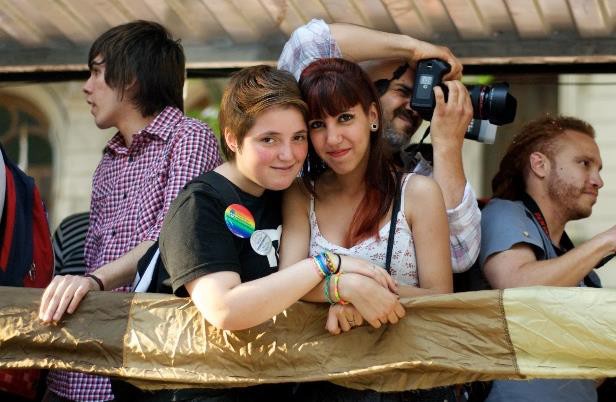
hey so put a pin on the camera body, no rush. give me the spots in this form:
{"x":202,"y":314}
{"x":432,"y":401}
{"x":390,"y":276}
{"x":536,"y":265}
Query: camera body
{"x":428,"y":75}
{"x":490,"y":103}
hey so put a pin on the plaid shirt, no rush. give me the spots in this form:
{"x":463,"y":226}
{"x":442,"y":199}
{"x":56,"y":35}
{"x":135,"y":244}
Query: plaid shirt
{"x":308,"y":43}
{"x":314,"y":41}
{"x":131,"y":193}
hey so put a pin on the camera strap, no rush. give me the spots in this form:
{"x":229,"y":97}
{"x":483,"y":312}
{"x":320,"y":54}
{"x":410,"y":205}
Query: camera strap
{"x":565,"y":242}
{"x":425,"y":135}
{"x":383,"y":84}
{"x":411,"y":155}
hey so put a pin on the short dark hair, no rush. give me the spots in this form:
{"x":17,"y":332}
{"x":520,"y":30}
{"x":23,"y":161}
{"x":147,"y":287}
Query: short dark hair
{"x":145,"y":53}
{"x":249,"y":93}
{"x":539,"y":135}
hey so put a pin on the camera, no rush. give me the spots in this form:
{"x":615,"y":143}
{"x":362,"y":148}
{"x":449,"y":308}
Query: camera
{"x":493,"y":104}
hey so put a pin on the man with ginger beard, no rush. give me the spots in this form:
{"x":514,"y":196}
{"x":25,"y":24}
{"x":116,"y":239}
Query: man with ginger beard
{"x":548,"y":177}
{"x":390,"y":59}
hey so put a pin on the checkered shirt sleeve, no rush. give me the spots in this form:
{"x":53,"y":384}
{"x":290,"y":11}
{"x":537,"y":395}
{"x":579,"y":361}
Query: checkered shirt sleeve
{"x":307,"y":43}
{"x":464,"y":231}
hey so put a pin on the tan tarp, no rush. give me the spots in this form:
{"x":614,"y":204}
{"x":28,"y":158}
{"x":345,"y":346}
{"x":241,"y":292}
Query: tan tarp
{"x":160,"y":341}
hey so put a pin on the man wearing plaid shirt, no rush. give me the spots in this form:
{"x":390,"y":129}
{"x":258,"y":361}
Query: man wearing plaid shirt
{"x":384,"y":57}
{"x":135,"y":85}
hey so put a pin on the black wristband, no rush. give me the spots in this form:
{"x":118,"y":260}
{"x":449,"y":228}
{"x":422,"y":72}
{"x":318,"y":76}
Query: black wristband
{"x":97,"y":280}
{"x":339,"y":263}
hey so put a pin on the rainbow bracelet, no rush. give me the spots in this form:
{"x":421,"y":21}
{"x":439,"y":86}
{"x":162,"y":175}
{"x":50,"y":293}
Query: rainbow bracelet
{"x":321,"y":265}
{"x":326,"y":290}
{"x":336,"y":291}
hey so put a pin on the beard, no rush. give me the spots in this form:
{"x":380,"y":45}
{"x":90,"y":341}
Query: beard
{"x":399,"y":137}
{"x":567,"y":197}
{"x":394,"y":139}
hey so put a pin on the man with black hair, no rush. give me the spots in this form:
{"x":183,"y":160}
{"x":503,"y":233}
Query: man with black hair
{"x":390,"y":59}
{"x":136,"y":79}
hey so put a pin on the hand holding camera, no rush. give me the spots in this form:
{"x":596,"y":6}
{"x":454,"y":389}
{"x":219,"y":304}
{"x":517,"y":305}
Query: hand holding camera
{"x":490,"y":103}
{"x":451,"y":116}
{"x":427,"y":51}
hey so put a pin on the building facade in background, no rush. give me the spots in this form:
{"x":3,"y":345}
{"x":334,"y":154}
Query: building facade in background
{"x":48,"y":129}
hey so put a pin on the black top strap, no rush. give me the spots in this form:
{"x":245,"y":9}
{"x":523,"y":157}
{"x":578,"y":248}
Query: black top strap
{"x":392,"y":226}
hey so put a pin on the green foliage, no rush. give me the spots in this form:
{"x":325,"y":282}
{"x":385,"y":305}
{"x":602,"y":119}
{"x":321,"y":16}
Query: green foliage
{"x":478,"y":79}
{"x":209,"y":116}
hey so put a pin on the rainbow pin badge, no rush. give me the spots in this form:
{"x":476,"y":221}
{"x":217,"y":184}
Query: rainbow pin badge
{"x":239,"y":220}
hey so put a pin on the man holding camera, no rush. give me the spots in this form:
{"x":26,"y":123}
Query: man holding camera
{"x":548,"y":177}
{"x":389,"y":60}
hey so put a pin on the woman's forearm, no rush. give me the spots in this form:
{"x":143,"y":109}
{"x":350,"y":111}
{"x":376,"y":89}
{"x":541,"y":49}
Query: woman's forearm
{"x":244,"y":305}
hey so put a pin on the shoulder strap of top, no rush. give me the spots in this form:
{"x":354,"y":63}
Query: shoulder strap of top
{"x":392,"y":225}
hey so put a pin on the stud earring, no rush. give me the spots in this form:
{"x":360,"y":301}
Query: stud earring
{"x":374,"y":127}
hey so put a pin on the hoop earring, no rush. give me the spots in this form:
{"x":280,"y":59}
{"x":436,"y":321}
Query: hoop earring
{"x":374,"y":127}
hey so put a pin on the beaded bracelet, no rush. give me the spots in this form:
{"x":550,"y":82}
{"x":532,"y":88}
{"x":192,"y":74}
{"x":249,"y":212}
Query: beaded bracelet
{"x":339,"y":265}
{"x":334,"y":268}
{"x":336,"y":291}
{"x":328,"y":261}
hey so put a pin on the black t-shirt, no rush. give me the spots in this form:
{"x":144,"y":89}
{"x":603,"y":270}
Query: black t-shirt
{"x":197,"y":240}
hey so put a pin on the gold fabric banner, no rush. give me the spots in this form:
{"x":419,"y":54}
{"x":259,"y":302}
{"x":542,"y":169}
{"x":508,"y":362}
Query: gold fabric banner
{"x":160,"y":341}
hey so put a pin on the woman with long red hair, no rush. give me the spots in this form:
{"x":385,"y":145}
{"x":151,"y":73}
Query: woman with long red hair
{"x":344,"y":202}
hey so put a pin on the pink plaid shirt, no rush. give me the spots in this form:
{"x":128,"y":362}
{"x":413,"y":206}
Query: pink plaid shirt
{"x":131,"y":193}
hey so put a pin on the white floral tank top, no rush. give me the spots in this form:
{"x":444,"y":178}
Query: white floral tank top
{"x":374,"y":249}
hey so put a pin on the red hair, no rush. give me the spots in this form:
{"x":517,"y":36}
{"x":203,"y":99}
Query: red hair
{"x":333,"y":86}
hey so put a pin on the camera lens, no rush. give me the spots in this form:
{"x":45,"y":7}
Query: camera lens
{"x":493,"y":103}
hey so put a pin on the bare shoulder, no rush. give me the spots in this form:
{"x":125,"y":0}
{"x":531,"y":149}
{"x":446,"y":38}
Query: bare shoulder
{"x":421,"y":194}
{"x":297,"y":194}
{"x":419,"y":185}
